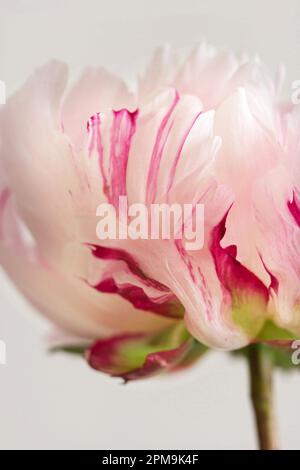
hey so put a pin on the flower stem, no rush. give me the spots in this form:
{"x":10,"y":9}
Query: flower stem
{"x":261,"y":379}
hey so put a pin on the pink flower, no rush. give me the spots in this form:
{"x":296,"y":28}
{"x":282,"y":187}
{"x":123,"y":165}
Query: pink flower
{"x":210,"y":130}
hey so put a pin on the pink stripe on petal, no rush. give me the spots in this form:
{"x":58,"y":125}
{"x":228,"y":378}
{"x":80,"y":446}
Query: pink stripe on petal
{"x":122,"y":131}
{"x":178,"y":154}
{"x":4,"y":198}
{"x":185,"y":258}
{"x":138,"y":298}
{"x":294,"y":209}
{"x":160,"y":142}
{"x":117,"y":254}
{"x":274,"y":284}
{"x":233,"y":276}
{"x":95,"y":144}
{"x":200,"y":281}
{"x":165,"y":303}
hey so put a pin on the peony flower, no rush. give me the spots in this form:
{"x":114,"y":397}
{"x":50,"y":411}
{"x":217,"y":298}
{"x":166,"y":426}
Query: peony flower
{"x":209,"y":130}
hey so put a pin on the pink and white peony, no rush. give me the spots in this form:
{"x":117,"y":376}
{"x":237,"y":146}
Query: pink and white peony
{"x":210,"y":130}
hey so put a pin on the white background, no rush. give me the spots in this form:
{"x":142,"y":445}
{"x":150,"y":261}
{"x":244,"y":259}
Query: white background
{"x":57,"y":401}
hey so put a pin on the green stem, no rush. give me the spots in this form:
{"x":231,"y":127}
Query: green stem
{"x":261,"y":379}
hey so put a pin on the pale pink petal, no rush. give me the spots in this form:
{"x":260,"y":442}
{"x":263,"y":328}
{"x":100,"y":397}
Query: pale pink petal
{"x":96,"y":91}
{"x":65,"y":299}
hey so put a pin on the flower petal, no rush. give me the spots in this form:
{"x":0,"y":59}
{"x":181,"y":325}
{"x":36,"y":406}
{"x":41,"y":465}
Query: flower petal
{"x":62,"y":297}
{"x":138,"y":356}
{"x":96,"y":91}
